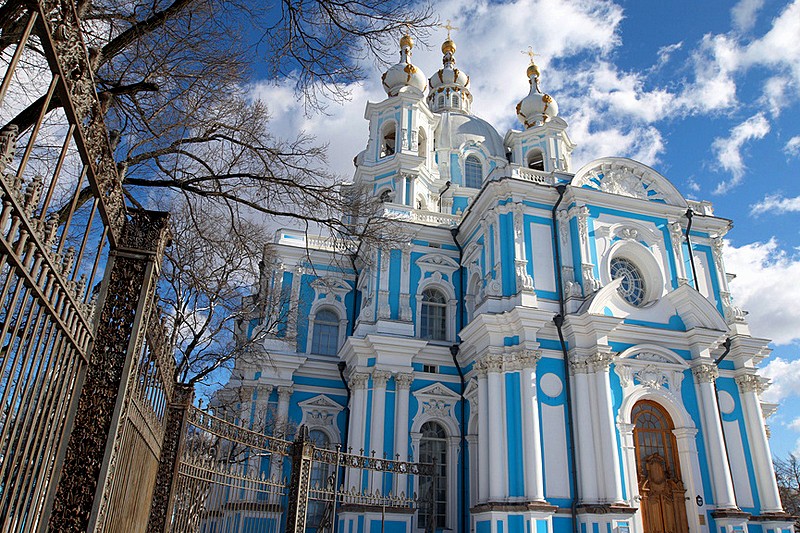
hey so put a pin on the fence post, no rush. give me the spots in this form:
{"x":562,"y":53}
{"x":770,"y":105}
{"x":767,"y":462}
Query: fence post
{"x":171,"y":452}
{"x":300,"y":482}
{"x":127,"y":299}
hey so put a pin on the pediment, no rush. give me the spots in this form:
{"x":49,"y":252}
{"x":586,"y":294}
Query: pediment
{"x":695,"y":310}
{"x":438,"y":391}
{"x":626,"y":177}
{"x":320,"y":403}
{"x":437,"y":263}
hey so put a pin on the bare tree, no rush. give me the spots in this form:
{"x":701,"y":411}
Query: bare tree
{"x":205,"y":292}
{"x":172,"y":76}
{"x":787,"y":473}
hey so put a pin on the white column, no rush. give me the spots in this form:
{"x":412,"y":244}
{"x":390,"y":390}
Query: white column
{"x":532,"y":445}
{"x":612,"y":486}
{"x":497,"y":490}
{"x":262,"y":406}
{"x":358,"y":414}
{"x":378,"y":421}
{"x":750,"y":385}
{"x":587,"y":467}
{"x":472,"y":446}
{"x":629,"y":458}
{"x":705,"y":375}
{"x":483,"y":432}
{"x":246,"y":406}
{"x":402,"y":385}
{"x":282,"y":417}
{"x":686,"y":441}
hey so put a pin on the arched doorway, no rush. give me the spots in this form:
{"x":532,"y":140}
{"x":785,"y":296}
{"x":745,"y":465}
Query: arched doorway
{"x":658,"y":470}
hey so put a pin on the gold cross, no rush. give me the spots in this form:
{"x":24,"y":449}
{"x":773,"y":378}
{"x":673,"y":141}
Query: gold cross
{"x":530,"y":53}
{"x":448,"y":27}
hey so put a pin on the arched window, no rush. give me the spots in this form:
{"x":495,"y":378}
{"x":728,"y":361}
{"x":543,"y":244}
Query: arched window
{"x":422,"y":146}
{"x":473,"y":172}
{"x":387,"y":196}
{"x":433,"y":489}
{"x":433,"y":322}
{"x":455,"y":100}
{"x":326,"y":333}
{"x":320,"y":472}
{"x":632,"y":285}
{"x":441,"y":101}
{"x":536,"y":160}
{"x":388,"y":139}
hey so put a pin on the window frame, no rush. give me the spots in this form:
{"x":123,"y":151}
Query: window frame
{"x":314,"y":330}
{"x":473,"y":160}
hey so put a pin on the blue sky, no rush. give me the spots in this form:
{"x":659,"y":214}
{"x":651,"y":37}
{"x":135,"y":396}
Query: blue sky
{"x":708,"y":93}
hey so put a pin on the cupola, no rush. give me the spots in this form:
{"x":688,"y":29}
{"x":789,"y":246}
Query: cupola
{"x":449,"y":87}
{"x":537,"y":107}
{"x":404,"y":77}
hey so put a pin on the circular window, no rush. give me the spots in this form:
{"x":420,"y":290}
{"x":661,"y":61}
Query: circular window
{"x":631,"y":288}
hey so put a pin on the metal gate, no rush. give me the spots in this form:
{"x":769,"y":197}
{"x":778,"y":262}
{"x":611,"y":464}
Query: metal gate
{"x":231,"y":479}
{"x":77,"y":275}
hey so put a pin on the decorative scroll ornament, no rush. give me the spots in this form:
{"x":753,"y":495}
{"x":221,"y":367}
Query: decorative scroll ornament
{"x":380,"y":378}
{"x":359,"y":381}
{"x":404,"y":380}
{"x":623,"y":178}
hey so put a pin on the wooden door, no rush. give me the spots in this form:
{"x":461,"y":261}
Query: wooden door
{"x":663,"y":503}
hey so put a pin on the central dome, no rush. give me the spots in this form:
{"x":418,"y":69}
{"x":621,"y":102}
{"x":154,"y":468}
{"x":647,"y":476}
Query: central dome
{"x":457,"y":129}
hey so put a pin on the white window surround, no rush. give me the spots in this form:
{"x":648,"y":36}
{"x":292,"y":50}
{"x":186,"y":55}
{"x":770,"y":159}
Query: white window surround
{"x":320,"y":413}
{"x":471,"y":150}
{"x":644,"y":260}
{"x":387,"y":129}
{"x":534,"y":153}
{"x":329,"y":293}
{"x":437,"y":265}
{"x":437,"y":403}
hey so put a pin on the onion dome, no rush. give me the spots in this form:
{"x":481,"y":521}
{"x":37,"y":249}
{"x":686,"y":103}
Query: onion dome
{"x":449,"y":87}
{"x":404,"y":76}
{"x":537,"y":107}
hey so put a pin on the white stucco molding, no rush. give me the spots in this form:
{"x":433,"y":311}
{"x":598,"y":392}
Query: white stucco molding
{"x":695,"y":310}
{"x":320,"y":412}
{"x":626,"y":177}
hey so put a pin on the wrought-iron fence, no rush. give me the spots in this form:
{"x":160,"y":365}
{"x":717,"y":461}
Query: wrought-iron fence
{"x":231,"y":478}
{"x":77,"y":278}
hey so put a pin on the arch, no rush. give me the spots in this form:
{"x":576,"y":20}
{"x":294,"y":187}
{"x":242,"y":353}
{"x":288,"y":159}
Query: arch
{"x":433,"y":320}
{"x":326,"y":329}
{"x":388,"y":144}
{"x":626,"y":177}
{"x":473,"y":171}
{"x":433,"y":449}
{"x":680,"y":416}
{"x":534,"y":159}
{"x":653,"y":353}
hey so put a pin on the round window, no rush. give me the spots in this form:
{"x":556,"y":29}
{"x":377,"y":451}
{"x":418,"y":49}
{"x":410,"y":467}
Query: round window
{"x":632,"y":285}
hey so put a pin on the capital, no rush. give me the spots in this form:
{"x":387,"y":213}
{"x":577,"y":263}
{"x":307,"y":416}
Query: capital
{"x":600,"y":361}
{"x":359,"y":380}
{"x":579,"y":365}
{"x":404,"y":380}
{"x":284,"y":393}
{"x":752,"y":383}
{"x":380,"y":378}
{"x":264,"y":391}
{"x":705,"y":373}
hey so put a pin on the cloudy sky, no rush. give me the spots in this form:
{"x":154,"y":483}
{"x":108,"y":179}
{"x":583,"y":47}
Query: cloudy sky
{"x":708,"y":93}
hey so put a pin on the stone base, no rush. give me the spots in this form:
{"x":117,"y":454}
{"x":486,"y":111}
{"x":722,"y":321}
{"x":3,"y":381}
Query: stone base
{"x":513,"y":517}
{"x":614,"y":518}
{"x":367,"y":518}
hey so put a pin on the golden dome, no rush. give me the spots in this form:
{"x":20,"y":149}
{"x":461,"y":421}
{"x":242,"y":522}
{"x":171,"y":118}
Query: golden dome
{"x":406,"y":40}
{"x":533,"y":70}
{"x":448,"y":46}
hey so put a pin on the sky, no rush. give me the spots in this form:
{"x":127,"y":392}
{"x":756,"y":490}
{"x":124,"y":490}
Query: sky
{"x":707,"y":93}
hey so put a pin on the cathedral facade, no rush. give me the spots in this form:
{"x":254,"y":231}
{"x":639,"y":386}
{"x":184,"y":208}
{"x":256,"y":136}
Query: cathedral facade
{"x":561,"y":341}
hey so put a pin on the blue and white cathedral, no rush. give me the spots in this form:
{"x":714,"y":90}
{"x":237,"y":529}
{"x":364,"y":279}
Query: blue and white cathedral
{"x":562,"y":341}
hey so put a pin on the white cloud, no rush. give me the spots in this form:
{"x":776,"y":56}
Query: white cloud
{"x":792,"y":147}
{"x":765,"y":285}
{"x":778,"y":47}
{"x":776,"y":204}
{"x":728,"y":149}
{"x":785,"y":377}
{"x":714,"y":60}
{"x":744,"y":14}
{"x":665,"y":52}
{"x":778,"y":93}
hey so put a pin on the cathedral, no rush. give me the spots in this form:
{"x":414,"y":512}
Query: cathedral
{"x":562,"y":342}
